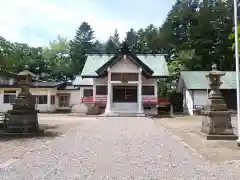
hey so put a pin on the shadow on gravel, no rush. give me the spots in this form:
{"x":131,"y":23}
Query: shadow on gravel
{"x":46,"y":131}
{"x":161,"y":116}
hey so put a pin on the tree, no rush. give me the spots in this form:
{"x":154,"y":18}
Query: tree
{"x":232,"y":38}
{"x":58,"y":62}
{"x":131,"y":39}
{"x":98,"y":47}
{"x":14,"y":56}
{"x":151,"y":34}
{"x":82,"y":44}
{"x":113,"y":43}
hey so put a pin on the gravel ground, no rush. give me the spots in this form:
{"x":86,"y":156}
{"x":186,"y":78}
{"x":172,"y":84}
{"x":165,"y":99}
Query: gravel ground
{"x":56,"y":124}
{"x":116,"y":148}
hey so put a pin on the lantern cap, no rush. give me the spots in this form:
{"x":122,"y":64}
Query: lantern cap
{"x":215,"y":71}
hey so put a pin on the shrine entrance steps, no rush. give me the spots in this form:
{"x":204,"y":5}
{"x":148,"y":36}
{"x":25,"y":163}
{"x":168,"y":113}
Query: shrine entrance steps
{"x":124,"y":110}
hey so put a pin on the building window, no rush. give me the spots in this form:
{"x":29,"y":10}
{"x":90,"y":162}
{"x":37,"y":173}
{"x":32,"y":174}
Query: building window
{"x":64,"y":101}
{"x":101,"y":90}
{"x":6,"y":80}
{"x":40,"y":99}
{"x":52,"y":100}
{"x":148,"y":90}
{"x":9,"y":97}
{"x":87,"y":92}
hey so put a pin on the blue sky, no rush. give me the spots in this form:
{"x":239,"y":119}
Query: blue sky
{"x":38,"y":21}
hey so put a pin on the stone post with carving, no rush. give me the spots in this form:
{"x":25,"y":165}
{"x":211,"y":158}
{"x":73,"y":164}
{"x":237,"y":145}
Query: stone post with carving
{"x":216,"y":122}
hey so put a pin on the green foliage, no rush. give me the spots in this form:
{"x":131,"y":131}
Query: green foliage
{"x":195,"y":34}
{"x":113,"y":44}
{"x":82,"y":44}
{"x":232,"y":39}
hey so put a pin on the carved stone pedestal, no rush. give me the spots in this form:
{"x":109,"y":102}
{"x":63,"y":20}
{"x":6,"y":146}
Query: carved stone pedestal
{"x":216,"y":122}
{"x":22,"y":121}
{"x":23,"y":118}
{"x":217,"y":125}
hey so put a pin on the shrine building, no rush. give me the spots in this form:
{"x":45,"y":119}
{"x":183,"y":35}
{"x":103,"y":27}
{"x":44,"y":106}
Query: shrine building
{"x":123,"y":83}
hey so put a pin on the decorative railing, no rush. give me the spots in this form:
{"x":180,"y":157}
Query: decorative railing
{"x":145,"y":100}
{"x":153,"y":100}
{"x":91,"y":99}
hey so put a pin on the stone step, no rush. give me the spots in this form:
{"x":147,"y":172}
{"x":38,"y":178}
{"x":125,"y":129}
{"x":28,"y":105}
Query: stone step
{"x":124,"y":114}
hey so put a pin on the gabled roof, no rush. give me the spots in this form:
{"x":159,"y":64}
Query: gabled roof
{"x":6,"y":73}
{"x":79,"y":81}
{"x":197,"y":80}
{"x":131,"y":56}
{"x":153,"y":64}
{"x":46,"y":84}
{"x":36,"y":84}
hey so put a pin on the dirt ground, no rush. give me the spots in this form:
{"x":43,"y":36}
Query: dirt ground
{"x":188,"y":129}
{"x":54,"y":125}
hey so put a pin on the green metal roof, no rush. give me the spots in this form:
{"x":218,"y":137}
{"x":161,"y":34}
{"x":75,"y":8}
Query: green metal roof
{"x":79,"y":81}
{"x":156,"y":62}
{"x":198,"y":80}
{"x":94,"y":62}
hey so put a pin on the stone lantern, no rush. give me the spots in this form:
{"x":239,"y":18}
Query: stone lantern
{"x":216,"y":122}
{"x":23,"y":116}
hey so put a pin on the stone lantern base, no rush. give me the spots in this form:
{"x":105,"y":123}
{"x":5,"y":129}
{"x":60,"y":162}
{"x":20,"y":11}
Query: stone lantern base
{"x":22,"y":121}
{"x":238,"y":143}
{"x":217,"y":125}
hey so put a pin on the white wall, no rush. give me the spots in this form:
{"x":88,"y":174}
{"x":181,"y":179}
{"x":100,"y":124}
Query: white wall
{"x":41,"y":107}
{"x":125,"y":66}
{"x":192,"y":98}
{"x":200,"y":97}
{"x":45,"y":91}
{"x":188,"y":101}
{"x":4,"y":107}
{"x":74,"y":98}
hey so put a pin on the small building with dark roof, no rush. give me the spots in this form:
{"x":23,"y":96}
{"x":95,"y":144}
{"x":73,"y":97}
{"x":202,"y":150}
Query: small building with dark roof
{"x":194,"y":87}
{"x":49,"y":96}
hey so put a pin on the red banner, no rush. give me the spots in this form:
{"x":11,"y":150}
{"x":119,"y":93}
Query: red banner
{"x":145,"y":100}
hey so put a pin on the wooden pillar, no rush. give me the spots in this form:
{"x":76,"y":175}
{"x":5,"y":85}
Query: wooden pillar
{"x":108,"y":106}
{"x":140,"y":109}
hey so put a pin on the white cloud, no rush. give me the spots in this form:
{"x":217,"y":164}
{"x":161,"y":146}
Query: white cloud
{"x":38,"y":21}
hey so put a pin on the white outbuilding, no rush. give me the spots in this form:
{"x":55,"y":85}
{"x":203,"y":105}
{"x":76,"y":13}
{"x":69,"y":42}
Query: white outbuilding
{"x":194,"y":87}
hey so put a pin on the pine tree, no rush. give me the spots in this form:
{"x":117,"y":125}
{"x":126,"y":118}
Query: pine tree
{"x":81,"y":45}
{"x":113,"y":43}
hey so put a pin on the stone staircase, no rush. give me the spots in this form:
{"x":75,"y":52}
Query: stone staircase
{"x":124,"y":110}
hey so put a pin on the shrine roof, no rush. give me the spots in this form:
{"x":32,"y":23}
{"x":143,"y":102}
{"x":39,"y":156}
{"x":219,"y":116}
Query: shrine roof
{"x":197,"y":80}
{"x":152,"y":64}
{"x":156,"y":62}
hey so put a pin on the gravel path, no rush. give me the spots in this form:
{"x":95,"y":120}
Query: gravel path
{"x":116,"y":148}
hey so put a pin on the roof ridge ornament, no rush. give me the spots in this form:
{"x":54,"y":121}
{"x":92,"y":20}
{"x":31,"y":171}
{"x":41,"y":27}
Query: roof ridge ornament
{"x":125,"y":48}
